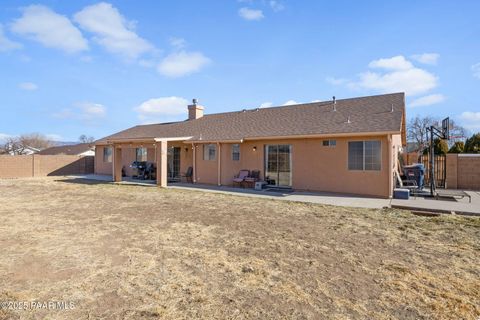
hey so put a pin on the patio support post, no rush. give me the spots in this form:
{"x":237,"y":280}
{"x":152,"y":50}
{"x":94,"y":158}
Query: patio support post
{"x":117,"y":163}
{"x":391,"y":164}
{"x":161,"y":159}
{"x":219,"y":170}
{"x":194,"y":147}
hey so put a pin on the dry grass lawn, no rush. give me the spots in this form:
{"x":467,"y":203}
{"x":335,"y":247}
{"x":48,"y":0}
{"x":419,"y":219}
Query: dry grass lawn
{"x":130,"y":252}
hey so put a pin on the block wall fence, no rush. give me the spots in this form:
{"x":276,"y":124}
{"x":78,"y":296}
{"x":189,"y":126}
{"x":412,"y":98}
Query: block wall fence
{"x":29,"y":166}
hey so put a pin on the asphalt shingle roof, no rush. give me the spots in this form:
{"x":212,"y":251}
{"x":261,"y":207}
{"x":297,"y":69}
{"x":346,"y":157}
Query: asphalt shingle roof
{"x":73,"y":149}
{"x":366,"y":115}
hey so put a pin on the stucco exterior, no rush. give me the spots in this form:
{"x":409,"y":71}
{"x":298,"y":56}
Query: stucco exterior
{"x":314,"y":167}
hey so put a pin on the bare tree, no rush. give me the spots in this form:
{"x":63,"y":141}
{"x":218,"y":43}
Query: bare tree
{"x":417,"y":132}
{"x":457,"y":133}
{"x":18,"y":145}
{"x":84,"y":139}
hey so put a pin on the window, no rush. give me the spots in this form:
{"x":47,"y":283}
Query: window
{"x":329,"y":143}
{"x":107,"y":154}
{"x":209,"y":151}
{"x":235,"y":152}
{"x":141,"y":154}
{"x":364,"y":155}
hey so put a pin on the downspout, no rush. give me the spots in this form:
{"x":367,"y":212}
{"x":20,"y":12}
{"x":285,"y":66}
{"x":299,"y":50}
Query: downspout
{"x":194,"y":161}
{"x":219,"y":161}
{"x":390,"y":166}
{"x":113,"y":161}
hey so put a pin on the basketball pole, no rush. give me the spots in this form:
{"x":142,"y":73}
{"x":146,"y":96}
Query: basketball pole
{"x":443,"y":134}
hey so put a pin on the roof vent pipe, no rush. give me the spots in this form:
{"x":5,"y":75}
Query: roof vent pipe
{"x":334,"y":104}
{"x":391,"y":110}
{"x":348,"y":120}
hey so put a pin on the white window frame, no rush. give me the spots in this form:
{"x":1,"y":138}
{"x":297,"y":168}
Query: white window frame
{"x":363,"y":155}
{"x":144,"y":153}
{"x":206,"y":152}
{"x":330,"y":143}
{"x":235,"y":145}
{"x":107,"y":158}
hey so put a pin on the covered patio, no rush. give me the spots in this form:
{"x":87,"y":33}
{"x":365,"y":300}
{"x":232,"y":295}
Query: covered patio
{"x":162,"y":149}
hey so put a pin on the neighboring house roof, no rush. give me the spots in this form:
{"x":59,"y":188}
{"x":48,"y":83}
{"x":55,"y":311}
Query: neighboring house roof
{"x":75,"y":149}
{"x":371,"y":114}
{"x":23,"y":150}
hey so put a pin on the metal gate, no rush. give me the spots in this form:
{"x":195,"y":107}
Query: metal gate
{"x":440,"y":169}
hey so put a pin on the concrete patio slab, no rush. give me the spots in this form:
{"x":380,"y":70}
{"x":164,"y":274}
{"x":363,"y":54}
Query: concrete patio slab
{"x":308,"y":197}
{"x":458,"y":206}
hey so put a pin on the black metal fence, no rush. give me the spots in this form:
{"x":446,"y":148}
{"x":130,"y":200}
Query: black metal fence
{"x":440,"y":169}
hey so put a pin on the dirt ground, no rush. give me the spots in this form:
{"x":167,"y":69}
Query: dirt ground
{"x":132,"y":252}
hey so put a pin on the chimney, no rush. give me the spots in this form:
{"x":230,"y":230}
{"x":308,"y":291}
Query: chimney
{"x":195,"y":111}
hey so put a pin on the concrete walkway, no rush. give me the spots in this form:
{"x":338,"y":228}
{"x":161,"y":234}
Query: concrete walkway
{"x":309,"y":197}
{"x":460,"y":206}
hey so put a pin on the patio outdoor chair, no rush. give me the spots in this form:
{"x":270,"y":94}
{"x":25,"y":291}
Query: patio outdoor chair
{"x":253,"y":177}
{"x":240,"y":178}
{"x":189,"y":175}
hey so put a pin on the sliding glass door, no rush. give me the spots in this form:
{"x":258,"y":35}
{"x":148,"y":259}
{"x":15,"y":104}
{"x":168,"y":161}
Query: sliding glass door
{"x":278,"y":159}
{"x":173,"y":164}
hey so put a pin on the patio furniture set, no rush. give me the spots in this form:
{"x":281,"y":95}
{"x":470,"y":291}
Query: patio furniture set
{"x":248,"y":179}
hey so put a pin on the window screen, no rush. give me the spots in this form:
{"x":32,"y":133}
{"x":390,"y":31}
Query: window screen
{"x":141,"y":154}
{"x":107,"y":154}
{"x":355,"y":155}
{"x":329,"y":143}
{"x":235,"y":152}
{"x":209,"y":152}
{"x":372,"y":155}
{"x":364,"y":155}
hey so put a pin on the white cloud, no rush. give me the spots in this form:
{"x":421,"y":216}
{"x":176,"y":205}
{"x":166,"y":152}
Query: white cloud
{"x":276,"y":6}
{"x":53,"y":137}
{"x":4,"y":137}
{"x":85,"y":111}
{"x":427,"y":58}
{"x":178,"y":43}
{"x":250,"y":14}
{"x":91,"y":110}
{"x":182,"y":63}
{"x":427,"y":100}
{"x":51,"y":29}
{"x":266,"y":105}
{"x":155,"y":109}
{"x":290,"y":102}
{"x":336,"y":81}
{"x":7,"y":44}
{"x":29,"y":86}
{"x":112,"y":30}
{"x":476,"y":70}
{"x":394,"y":63}
{"x":413,"y":81}
{"x":471,"y":120}
{"x":398,"y":75}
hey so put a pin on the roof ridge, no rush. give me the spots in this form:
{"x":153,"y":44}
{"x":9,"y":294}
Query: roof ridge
{"x":320,"y":103}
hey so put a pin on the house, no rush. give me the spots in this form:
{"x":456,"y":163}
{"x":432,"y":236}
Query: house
{"x":347,"y":146}
{"x":13,"y":149}
{"x":81,"y":150}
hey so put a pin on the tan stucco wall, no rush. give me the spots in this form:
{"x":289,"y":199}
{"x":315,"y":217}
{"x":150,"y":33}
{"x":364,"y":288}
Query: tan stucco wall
{"x":463,"y":171}
{"x":314,"y":167}
{"x":128,"y":156}
{"x":100,"y":166}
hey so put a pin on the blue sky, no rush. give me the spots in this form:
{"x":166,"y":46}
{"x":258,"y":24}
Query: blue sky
{"x":84,"y":67}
